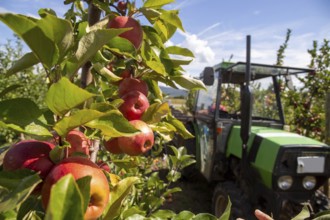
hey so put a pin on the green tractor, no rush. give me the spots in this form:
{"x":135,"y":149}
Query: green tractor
{"x":243,"y":145}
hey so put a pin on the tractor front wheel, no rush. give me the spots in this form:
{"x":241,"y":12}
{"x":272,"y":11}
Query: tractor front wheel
{"x":221,"y":195}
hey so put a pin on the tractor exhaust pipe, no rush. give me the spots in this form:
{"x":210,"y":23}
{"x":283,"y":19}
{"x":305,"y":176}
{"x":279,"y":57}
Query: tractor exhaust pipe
{"x":246,"y":104}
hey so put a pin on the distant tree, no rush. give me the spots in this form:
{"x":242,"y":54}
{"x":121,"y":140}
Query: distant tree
{"x":26,"y":84}
{"x":304,"y":105}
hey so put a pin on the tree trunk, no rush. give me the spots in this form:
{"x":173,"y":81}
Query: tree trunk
{"x":327,"y":135}
{"x":94,"y":14}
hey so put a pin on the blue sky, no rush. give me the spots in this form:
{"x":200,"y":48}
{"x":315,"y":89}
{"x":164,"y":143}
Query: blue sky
{"x":216,"y":29}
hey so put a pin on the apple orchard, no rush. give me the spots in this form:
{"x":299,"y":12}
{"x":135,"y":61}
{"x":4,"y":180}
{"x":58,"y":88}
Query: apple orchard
{"x":95,"y":150}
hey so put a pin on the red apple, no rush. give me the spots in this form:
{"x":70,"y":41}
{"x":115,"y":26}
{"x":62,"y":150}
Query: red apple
{"x":104,"y":166}
{"x":135,"y":104}
{"x":139,"y":143}
{"x":130,"y":84}
{"x":112,"y":146}
{"x":80,"y":167}
{"x":125,"y":74}
{"x":135,"y":35}
{"x":122,"y":5}
{"x":30,"y":154}
{"x":79,"y":142}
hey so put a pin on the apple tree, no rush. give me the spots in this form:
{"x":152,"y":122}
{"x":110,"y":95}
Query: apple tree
{"x":23,"y":84}
{"x":94,"y":149}
{"x":305,"y":103}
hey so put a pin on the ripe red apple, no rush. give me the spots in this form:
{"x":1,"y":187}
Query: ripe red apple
{"x":112,"y":146}
{"x":135,"y":35}
{"x":122,"y":5}
{"x":79,"y":142}
{"x":139,"y":143}
{"x":135,"y":104}
{"x":125,"y":74}
{"x":30,"y":154}
{"x":80,"y":167}
{"x":104,"y":166}
{"x":130,"y":84}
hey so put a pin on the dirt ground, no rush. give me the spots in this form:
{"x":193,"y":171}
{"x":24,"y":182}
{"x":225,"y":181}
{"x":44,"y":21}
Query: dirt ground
{"x":196,"y":196}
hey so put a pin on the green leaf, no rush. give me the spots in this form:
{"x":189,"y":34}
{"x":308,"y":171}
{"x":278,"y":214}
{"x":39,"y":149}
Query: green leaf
{"x":11,"y":126}
{"x":88,"y":45}
{"x":132,"y":211}
{"x":179,"y":51}
{"x":37,"y":130}
{"x":173,"y":175}
{"x":60,"y":31}
{"x":27,"y":29}
{"x":156,"y":3}
{"x":164,"y":214}
{"x":175,"y":151}
{"x":303,"y":214}
{"x":125,"y":163}
{"x":30,"y":209}
{"x":182,"y":130}
{"x":164,"y":29}
{"x":172,"y":190}
{"x":114,"y":124}
{"x":154,"y":89}
{"x":137,"y":217}
{"x":44,"y":11}
{"x":172,"y":18}
{"x":19,"y":185}
{"x":156,"y":112}
{"x":323,"y":215}
{"x":105,"y":72}
{"x":176,"y":63}
{"x":150,"y":13}
{"x":9,"y":89}
{"x":204,"y":216}
{"x":64,"y":95}
{"x":153,"y":36}
{"x":188,"y":83}
{"x":117,"y":195}
{"x":158,"y":67}
{"x":184,"y":215}
{"x":9,"y":215}
{"x":226,"y":213}
{"x":64,"y":198}
{"x":78,"y":118}
{"x":122,"y":46}
{"x":19,"y":111}
{"x":84,"y":187}
{"x":32,"y":129}
{"x":28,"y":60}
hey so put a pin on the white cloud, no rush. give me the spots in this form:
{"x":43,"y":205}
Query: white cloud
{"x":204,"y":54}
{"x":266,"y":40}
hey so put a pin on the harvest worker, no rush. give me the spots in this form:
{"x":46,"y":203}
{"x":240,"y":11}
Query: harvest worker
{"x":260,"y":215}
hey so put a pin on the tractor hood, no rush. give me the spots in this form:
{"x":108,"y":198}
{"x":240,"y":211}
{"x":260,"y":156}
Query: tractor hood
{"x":264,"y":146}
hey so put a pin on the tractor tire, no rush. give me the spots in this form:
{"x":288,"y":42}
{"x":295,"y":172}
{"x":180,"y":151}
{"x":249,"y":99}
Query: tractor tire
{"x":240,"y":207}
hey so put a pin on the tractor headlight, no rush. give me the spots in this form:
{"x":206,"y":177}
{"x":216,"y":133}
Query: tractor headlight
{"x":284,"y":182}
{"x":309,"y":182}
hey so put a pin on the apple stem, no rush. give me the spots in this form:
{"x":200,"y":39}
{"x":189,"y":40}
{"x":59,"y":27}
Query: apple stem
{"x":94,"y":149}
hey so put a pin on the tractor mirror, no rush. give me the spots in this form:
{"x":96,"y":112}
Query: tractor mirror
{"x":208,"y":76}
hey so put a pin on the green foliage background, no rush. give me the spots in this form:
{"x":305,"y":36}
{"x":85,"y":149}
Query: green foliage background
{"x":29,"y":83}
